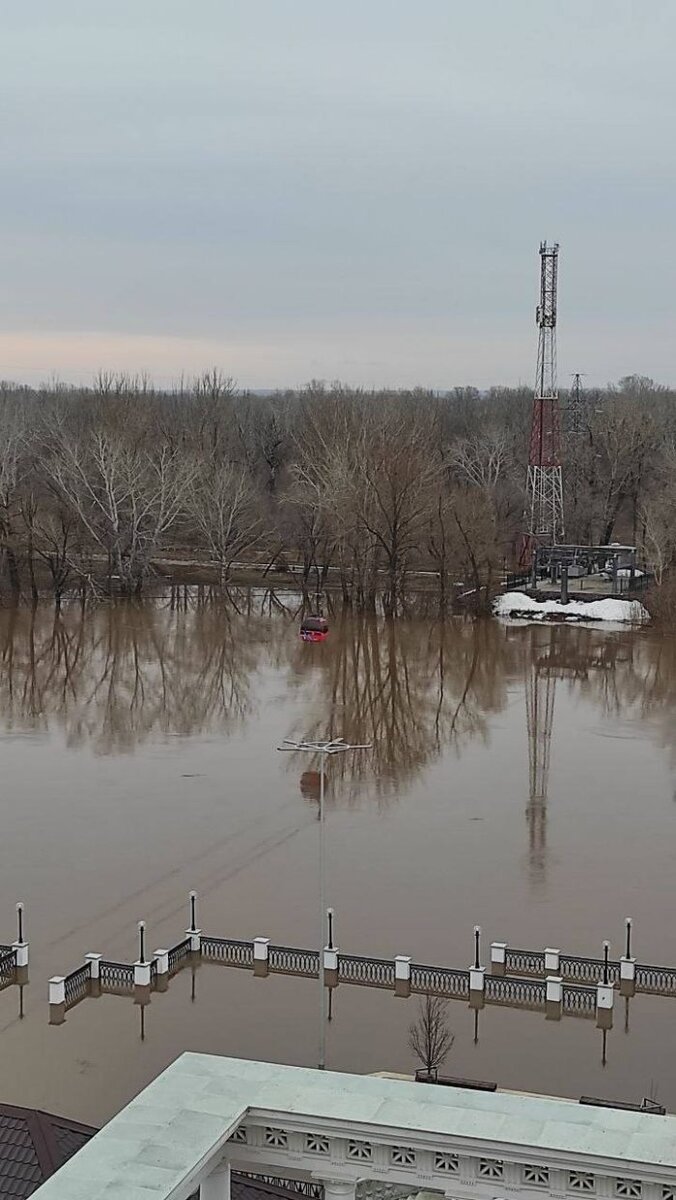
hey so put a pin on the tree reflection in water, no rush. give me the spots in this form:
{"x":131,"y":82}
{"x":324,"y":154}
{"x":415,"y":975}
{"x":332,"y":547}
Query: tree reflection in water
{"x":411,"y":688}
{"x":113,"y":676}
{"x":415,"y":688}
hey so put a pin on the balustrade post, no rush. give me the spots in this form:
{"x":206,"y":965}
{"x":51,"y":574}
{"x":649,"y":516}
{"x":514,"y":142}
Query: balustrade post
{"x":57,"y":989}
{"x":402,"y":975}
{"x":94,"y":961}
{"x":162,"y":969}
{"x":331,"y":966}
{"x":627,"y":963}
{"x":195,"y":936}
{"x":477,"y":973}
{"x":57,"y":1000}
{"x":553,"y":997}
{"x":21,"y":951}
{"x":605,"y":993}
{"x":20,"y":946}
{"x":141,"y":974}
{"x":261,"y":956}
{"x":552,"y":961}
{"x":477,"y":986}
{"x":627,"y":976}
{"x":193,"y":932}
{"x":141,"y":966}
{"x":498,"y":958}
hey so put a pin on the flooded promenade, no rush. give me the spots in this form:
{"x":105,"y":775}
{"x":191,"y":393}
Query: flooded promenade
{"x":520,"y":777}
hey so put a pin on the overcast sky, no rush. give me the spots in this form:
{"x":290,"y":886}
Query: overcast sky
{"x":294,"y":189}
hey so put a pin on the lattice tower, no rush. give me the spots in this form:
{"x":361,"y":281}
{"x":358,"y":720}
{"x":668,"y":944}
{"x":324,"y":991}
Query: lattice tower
{"x":543,"y":518}
{"x":576,"y":407}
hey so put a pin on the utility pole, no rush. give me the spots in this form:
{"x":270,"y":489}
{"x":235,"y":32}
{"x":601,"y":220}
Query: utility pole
{"x":543,"y":516}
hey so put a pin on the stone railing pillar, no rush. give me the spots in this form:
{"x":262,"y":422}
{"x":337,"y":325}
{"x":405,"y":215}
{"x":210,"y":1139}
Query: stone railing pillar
{"x":627,"y":976}
{"x":141,"y":974}
{"x":552,"y":961}
{"x":605,"y":996}
{"x":162,"y":962}
{"x":195,"y":936}
{"x":554,"y":989}
{"x":477,"y":985}
{"x":20,"y":946}
{"x":402,"y":975}
{"x":553,"y":997}
{"x":21,"y":951}
{"x":57,"y":989}
{"x":94,"y":961}
{"x":161,"y":969}
{"x":261,"y":955}
{"x":498,"y":958}
{"x":331,"y":966}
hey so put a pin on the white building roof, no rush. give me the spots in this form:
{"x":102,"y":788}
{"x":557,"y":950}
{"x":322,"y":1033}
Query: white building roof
{"x":166,"y":1135}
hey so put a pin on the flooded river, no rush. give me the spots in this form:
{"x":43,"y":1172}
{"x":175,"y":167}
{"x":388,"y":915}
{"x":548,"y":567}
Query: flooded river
{"x":520,"y":778}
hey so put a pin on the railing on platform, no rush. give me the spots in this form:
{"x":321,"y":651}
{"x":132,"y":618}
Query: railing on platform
{"x":7,"y":964}
{"x":525,"y":962}
{"x":579,"y":1001}
{"x":587,"y":970}
{"x":546,"y":980}
{"x":656,"y":980}
{"x":228,"y":950}
{"x":581,"y":969}
{"x":293,"y":961}
{"x":76,"y":985}
{"x":527,"y":993}
{"x":353,"y":968}
{"x":446,"y":981}
{"x":116,"y":975}
{"x":178,"y":953}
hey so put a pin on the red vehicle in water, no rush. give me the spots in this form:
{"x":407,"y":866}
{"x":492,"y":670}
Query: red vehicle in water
{"x":314,"y":629}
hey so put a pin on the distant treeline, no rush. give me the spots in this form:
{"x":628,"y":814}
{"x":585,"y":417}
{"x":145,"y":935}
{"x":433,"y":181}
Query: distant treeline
{"x":97,"y":484}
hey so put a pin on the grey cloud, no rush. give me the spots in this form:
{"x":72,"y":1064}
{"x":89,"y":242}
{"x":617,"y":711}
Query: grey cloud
{"x":206,"y":170}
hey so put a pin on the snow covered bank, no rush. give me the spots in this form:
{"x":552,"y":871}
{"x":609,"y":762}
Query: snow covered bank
{"x":518,"y":604}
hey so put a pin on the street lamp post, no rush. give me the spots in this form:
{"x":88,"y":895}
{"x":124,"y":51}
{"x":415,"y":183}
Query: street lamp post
{"x":324,"y":749}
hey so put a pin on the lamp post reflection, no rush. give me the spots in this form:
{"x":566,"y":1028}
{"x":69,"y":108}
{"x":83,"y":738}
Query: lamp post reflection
{"x":324,"y":748}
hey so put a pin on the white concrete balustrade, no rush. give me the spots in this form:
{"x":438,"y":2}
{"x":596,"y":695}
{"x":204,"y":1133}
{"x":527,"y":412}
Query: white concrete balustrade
{"x":206,"y":1115}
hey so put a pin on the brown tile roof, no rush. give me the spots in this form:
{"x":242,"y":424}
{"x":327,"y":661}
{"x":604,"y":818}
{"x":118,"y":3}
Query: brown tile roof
{"x":33,"y":1145}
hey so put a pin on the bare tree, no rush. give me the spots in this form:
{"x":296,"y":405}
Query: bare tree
{"x":12,"y":470}
{"x":125,"y":497}
{"x":481,"y":459}
{"x":400,"y":475}
{"x":222,"y":501}
{"x":380,"y":485}
{"x":429,"y":1037}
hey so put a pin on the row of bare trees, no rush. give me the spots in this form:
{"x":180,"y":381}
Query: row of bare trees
{"x":98,"y":485}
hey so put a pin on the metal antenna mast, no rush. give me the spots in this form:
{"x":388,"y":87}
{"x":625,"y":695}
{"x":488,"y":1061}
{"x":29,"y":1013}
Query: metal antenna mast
{"x":576,"y":406}
{"x":543,"y":518}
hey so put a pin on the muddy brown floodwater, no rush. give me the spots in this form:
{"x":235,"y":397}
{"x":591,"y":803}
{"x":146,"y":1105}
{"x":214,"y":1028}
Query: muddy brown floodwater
{"x":139,"y":761}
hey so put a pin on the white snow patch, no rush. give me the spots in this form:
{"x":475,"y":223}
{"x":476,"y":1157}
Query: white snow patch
{"x":518,"y":604}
